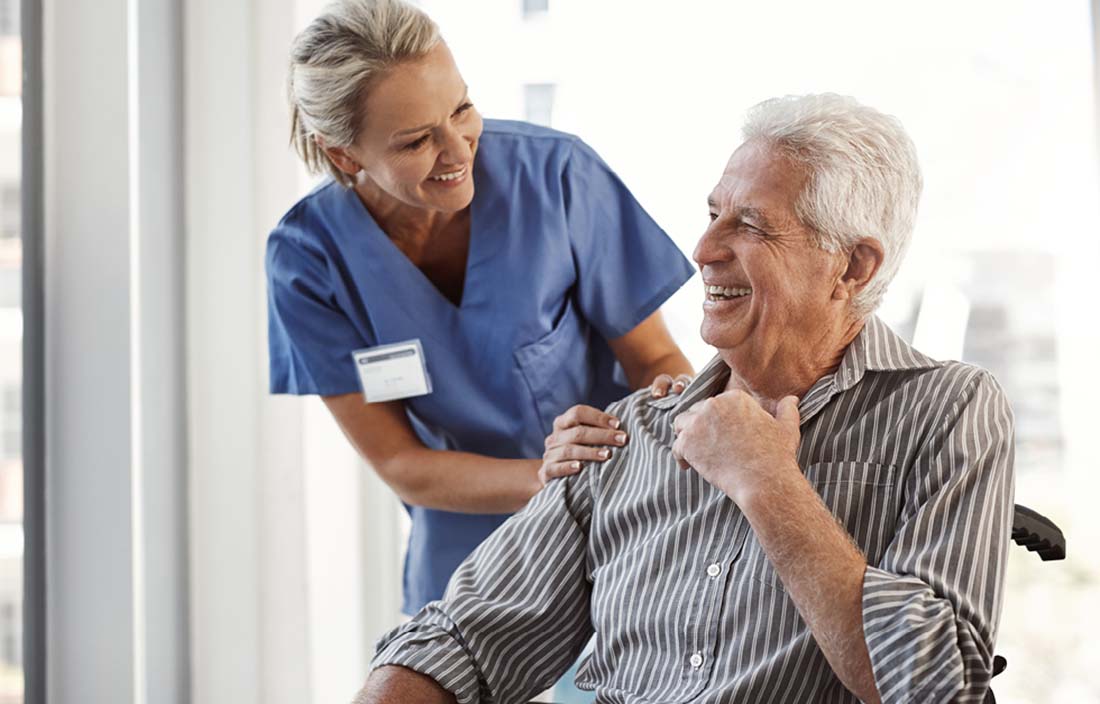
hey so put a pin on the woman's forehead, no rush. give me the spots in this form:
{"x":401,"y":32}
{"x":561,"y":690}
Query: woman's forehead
{"x":414,"y":94}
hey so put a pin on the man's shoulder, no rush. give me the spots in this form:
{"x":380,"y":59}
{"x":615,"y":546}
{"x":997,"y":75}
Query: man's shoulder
{"x":641,"y":407}
{"x":949,"y":380}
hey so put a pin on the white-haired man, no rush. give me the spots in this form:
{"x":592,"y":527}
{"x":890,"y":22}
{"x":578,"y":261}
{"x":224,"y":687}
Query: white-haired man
{"x":823,"y":515}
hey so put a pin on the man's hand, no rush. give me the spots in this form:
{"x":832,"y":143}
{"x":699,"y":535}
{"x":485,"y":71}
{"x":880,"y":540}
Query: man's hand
{"x":747,"y":453}
{"x":735,"y":444}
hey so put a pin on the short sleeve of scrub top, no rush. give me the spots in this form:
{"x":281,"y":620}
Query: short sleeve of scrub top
{"x":561,"y":259}
{"x":309,"y":335}
{"x":620,"y":250}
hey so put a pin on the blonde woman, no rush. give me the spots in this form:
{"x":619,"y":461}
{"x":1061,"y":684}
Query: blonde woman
{"x":520,"y":275}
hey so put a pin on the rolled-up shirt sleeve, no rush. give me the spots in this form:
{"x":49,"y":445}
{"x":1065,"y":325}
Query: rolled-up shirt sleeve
{"x":931,"y":605}
{"x":516,"y":613}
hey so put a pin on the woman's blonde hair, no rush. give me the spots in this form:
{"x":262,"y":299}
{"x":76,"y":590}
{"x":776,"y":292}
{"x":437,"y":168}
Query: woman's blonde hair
{"x":333,"y":60}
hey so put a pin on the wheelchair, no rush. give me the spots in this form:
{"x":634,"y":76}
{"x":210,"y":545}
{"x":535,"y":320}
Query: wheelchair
{"x":1040,"y":535}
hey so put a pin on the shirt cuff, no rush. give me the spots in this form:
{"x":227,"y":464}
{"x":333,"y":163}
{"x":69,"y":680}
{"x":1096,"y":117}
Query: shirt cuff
{"x":431,"y":645}
{"x":912,"y":640}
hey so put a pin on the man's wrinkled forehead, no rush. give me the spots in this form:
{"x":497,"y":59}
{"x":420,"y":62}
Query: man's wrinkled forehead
{"x":757,"y":184}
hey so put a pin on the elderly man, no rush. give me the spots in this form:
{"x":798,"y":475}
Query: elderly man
{"x":823,"y":515}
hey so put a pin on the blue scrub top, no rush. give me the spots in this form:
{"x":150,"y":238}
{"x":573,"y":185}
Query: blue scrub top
{"x":561,"y":259}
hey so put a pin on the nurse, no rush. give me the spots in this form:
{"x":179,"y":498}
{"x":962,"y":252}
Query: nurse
{"x":526,"y":273}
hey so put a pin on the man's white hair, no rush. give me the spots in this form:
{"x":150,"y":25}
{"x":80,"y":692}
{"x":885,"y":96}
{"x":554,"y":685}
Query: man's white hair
{"x":864,"y":179}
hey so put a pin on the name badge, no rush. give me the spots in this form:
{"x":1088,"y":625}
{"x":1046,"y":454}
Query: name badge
{"x":390,"y":372}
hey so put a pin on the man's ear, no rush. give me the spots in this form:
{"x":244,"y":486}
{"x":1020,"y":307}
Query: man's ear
{"x":864,"y":261}
{"x":340,"y":156}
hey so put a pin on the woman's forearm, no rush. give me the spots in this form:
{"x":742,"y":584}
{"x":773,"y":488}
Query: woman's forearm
{"x":648,"y":351}
{"x":463,"y":482}
{"x":674,"y":364}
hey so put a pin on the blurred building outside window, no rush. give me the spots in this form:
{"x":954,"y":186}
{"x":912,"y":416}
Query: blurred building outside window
{"x":11,"y":337}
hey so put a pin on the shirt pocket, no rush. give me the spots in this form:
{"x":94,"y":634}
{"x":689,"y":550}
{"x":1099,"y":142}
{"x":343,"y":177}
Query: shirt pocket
{"x":860,"y":494}
{"x":554,"y":367}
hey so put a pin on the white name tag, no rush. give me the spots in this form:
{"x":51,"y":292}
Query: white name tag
{"x":389,"y":372}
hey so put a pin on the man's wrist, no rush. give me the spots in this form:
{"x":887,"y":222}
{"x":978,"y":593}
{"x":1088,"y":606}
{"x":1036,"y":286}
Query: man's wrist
{"x":765,"y":485}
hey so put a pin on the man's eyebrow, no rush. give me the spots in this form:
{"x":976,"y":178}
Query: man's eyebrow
{"x":744,"y":213}
{"x":465,"y":97}
{"x":753,"y":216}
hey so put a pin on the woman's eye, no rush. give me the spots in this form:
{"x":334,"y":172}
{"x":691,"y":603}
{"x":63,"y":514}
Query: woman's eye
{"x":463,"y":108}
{"x":713,"y":217}
{"x":416,"y":143}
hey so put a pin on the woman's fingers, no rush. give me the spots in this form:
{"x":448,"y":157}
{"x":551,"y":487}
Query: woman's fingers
{"x":584,"y":453}
{"x":681,"y":383}
{"x":585,"y":415}
{"x":660,"y":386}
{"x":663,"y":384}
{"x":554,"y":470}
{"x":586,"y":435}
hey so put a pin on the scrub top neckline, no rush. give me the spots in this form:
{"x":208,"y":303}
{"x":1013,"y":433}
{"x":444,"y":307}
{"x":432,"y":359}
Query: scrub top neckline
{"x":398,"y":258}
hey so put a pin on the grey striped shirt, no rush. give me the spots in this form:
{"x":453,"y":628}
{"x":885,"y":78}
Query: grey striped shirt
{"x":912,"y":455}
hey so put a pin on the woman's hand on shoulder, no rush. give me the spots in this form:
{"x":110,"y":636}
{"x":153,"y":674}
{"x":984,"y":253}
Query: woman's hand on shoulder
{"x":581,"y":434}
{"x":664,"y":384}
{"x":586,"y":434}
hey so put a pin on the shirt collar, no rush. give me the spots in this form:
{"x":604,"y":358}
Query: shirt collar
{"x":876,"y":348}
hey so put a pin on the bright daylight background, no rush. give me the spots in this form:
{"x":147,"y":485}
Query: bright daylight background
{"x":292,"y":552}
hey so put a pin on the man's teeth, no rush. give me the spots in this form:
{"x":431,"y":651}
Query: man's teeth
{"x":724,"y":292}
{"x":451,"y":176}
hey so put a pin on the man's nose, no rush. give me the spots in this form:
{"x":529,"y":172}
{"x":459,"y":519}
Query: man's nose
{"x":708,"y":249}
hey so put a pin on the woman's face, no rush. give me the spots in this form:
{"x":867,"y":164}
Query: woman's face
{"x":419,"y":136}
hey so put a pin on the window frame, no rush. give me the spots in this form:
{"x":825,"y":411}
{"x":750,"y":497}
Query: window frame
{"x":35,"y":617}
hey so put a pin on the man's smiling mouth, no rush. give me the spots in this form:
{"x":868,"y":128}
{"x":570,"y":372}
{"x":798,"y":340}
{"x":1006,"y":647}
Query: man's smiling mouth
{"x":725,"y":293}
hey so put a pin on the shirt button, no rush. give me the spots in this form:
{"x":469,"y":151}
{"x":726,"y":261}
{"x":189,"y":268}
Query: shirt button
{"x":714,"y":570}
{"x":696,"y":660}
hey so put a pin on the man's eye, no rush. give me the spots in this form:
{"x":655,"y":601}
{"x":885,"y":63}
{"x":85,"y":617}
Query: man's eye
{"x":416,"y":144}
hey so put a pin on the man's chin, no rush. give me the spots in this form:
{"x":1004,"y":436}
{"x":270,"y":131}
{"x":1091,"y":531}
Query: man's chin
{"x":717,"y":336}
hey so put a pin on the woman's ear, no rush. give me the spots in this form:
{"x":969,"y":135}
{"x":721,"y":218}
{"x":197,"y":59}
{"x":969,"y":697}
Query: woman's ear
{"x":340,"y":156}
{"x":864,"y":261}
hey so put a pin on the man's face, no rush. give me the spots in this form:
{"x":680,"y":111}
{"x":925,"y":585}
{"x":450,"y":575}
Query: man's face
{"x":777,"y":286}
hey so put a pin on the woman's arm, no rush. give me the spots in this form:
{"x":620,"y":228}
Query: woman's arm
{"x":442,"y":479}
{"x":467,"y":483}
{"x":648,"y":351}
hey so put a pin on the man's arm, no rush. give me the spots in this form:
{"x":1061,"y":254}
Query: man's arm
{"x":932,"y":604}
{"x":391,"y":683}
{"x":514,"y":617}
{"x":821,"y":568}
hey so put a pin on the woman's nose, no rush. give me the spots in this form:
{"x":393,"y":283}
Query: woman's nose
{"x":456,"y":148}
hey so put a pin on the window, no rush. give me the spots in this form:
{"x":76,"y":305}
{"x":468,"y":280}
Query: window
{"x":9,"y":211}
{"x":9,"y":18}
{"x":532,"y":8}
{"x":11,"y":361}
{"x":11,"y":423}
{"x":538,"y":101}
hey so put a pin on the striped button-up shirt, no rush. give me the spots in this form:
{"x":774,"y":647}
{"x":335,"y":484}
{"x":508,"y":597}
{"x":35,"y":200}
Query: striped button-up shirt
{"x":913,"y":456}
